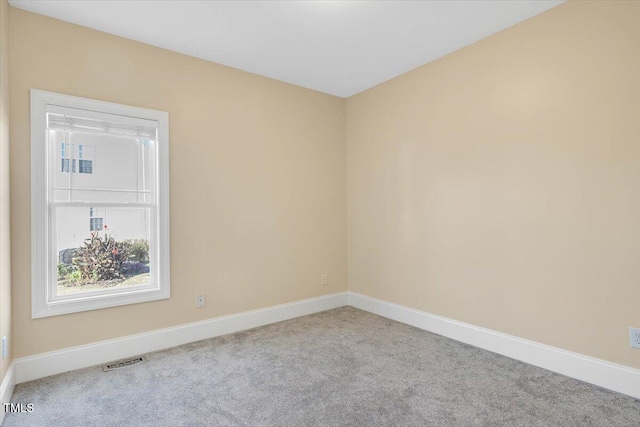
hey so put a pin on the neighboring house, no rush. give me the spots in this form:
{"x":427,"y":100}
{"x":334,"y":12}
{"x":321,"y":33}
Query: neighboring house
{"x":85,"y":163}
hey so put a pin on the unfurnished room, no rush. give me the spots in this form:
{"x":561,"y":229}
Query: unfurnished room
{"x":319,"y":213}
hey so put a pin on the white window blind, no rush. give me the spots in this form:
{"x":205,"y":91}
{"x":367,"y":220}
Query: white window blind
{"x":56,"y":121}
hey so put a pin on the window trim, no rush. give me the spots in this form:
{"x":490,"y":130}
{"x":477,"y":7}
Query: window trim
{"x":41,"y":305}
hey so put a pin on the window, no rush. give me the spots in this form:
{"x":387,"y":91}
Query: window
{"x":129,"y":197}
{"x":63,"y":156}
{"x":96,"y":224}
{"x":85,"y":165}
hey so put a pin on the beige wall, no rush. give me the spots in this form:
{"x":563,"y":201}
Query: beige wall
{"x":257,"y":179}
{"x":5,"y":227}
{"x":500,"y":185}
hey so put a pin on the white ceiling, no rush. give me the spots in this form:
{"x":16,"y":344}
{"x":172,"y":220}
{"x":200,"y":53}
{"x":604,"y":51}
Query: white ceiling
{"x":336,"y":47}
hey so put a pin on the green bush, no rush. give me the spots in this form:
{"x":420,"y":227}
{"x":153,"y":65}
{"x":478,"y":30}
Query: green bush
{"x":69,"y":273}
{"x":101,"y":258}
{"x":64,"y":270}
{"x":138,"y":250}
{"x":75,"y":275}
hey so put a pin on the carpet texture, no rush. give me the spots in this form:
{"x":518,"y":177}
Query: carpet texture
{"x":342,"y":367}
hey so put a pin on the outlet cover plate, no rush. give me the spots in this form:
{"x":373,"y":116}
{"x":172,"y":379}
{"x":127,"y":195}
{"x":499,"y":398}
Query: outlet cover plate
{"x":200,"y":302}
{"x":634,"y":337}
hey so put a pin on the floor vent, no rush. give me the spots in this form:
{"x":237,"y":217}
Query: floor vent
{"x":122,"y":363}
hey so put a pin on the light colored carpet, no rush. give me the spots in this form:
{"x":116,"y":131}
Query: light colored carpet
{"x":342,"y":367}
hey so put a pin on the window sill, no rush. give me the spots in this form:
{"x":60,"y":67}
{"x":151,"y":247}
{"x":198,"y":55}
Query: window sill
{"x":95,"y":302}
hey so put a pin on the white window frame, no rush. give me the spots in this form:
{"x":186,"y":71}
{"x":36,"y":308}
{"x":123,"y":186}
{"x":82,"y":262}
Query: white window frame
{"x":42,"y":303}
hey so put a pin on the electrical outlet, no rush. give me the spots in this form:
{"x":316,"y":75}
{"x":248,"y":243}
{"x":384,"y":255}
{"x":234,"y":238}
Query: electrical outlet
{"x":200,"y":301}
{"x":634,"y":337}
{"x":5,"y":349}
{"x":325,"y":280}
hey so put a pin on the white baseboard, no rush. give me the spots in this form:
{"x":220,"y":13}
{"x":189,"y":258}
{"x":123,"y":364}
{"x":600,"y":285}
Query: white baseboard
{"x":595,"y":371}
{"x":55,"y":362}
{"x":6,"y":389}
{"x":588,"y":369}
